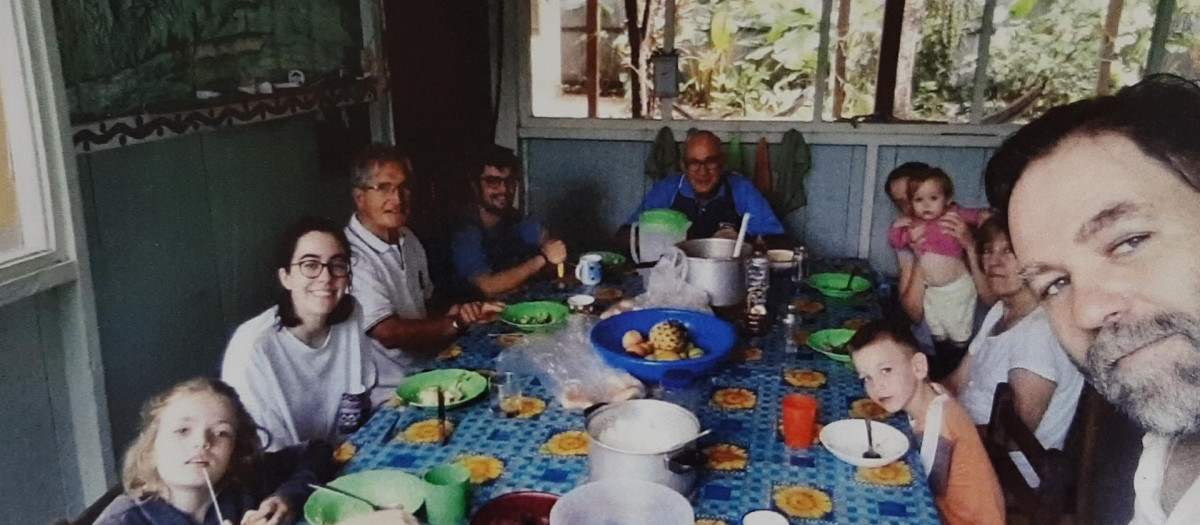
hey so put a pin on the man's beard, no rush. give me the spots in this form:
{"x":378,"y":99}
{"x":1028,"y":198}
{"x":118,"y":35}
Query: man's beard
{"x":490,"y":206}
{"x":1165,"y":403}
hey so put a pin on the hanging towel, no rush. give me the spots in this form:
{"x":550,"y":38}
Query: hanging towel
{"x":664,"y":155}
{"x":734,"y":161}
{"x":762,"y":167}
{"x":788,"y":192}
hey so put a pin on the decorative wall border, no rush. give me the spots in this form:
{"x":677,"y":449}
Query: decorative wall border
{"x":136,"y":129}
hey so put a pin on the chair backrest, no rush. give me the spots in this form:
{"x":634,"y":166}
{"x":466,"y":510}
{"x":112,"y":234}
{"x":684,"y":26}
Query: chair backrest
{"x":1093,"y":414}
{"x":92,"y":513}
{"x":1042,"y":505}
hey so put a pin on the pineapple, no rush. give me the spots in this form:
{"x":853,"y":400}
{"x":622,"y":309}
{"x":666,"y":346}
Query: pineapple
{"x":668,"y":336}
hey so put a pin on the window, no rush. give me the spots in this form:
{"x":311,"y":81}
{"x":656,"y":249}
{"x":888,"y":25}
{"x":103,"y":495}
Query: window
{"x":32,"y":160}
{"x":957,"y":61}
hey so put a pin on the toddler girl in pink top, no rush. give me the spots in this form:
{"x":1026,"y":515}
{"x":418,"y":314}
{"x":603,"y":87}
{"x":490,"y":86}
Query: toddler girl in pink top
{"x":950,"y":294}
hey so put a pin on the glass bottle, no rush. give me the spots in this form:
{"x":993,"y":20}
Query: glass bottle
{"x":789,"y":330}
{"x":758,"y":284}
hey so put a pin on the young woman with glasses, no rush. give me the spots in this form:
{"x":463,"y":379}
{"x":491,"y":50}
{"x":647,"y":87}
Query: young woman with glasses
{"x":303,"y":367}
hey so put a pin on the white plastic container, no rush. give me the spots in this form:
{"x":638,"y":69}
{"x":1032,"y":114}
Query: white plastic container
{"x":622,"y":502}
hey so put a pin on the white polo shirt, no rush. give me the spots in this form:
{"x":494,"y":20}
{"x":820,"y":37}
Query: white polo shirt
{"x":388,"y":279}
{"x":1147,"y":487}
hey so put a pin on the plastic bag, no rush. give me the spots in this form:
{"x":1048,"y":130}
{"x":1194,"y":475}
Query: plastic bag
{"x":570,"y":368}
{"x":666,"y":287}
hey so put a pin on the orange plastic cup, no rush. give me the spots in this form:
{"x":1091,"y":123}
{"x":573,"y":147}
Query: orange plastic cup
{"x":799,"y":420}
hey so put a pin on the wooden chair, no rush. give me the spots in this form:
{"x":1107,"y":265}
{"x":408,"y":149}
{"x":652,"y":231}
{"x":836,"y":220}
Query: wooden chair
{"x":92,"y":513}
{"x":1045,"y":504}
{"x":1093,"y":414}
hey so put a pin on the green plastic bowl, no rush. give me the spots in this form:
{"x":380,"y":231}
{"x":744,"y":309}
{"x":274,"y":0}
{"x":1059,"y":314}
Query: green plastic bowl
{"x":834,"y":284}
{"x":520,"y":314}
{"x":382,"y":488}
{"x":611,"y":259}
{"x":471,"y":384}
{"x":828,"y":341}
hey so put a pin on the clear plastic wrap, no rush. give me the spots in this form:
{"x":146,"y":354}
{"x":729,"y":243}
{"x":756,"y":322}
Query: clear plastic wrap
{"x":570,"y":368}
{"x":666,"y":287}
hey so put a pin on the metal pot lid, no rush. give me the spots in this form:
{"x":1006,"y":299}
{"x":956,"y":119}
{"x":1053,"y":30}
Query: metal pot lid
{"x":642,"y":426}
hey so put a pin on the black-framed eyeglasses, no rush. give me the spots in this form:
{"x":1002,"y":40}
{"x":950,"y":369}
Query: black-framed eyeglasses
{"x":494,"y":182}
{"x":311,"y":268}
{"x":389,"y":189}
{"x":710,"y":164}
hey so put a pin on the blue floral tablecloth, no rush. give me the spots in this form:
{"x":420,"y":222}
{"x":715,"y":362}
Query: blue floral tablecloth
{"x":749,"y":468}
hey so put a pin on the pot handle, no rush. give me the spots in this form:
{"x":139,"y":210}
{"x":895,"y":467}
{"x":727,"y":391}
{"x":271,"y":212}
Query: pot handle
{"x":589,"y":410}
{"x":684,"y":461}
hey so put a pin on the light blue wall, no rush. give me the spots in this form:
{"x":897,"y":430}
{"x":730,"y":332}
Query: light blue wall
{"x":32,"y":484}
{"x":585,"y":189}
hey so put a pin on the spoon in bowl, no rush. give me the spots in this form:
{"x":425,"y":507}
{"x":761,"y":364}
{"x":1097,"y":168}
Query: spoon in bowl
{"x":870,"y":453}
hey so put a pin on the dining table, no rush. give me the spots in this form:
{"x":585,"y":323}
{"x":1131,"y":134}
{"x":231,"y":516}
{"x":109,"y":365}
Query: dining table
{"x":544,"y":448}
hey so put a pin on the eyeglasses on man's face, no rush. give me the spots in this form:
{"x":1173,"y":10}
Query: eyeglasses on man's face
{"x":710,"y":164}
{"x":311,"y":268}
{"x":388,"y":189}
{"x":493,"y":181}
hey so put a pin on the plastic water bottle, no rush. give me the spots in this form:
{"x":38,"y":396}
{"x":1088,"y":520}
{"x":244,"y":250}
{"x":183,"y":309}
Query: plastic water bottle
{"x":758,"y":284}
{"x":799,"y":255}
{"x":682,"y":388}
{"x":789,"y":330}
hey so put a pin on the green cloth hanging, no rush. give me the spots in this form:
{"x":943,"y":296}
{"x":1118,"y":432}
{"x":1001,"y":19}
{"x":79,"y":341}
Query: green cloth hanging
{"x":735,"y":162}
{"x":664,"y":155}
{"x":787,"y":188}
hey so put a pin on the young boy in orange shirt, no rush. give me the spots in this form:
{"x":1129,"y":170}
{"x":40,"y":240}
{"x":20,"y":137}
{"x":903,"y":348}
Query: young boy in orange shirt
{"x":896,"y":376}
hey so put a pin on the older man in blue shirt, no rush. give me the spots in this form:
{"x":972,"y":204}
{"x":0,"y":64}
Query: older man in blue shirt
{"x":711,"y":198}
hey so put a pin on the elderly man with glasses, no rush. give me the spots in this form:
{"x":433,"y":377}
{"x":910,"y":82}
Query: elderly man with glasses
{"x":391,"y":270}
{"x":497,"y":248}
{"x":711,"y":198}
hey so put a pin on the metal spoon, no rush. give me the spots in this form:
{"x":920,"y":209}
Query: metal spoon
{"x":870,"y":453}
{"x":850,"y":281}
{"x":359,"y":498}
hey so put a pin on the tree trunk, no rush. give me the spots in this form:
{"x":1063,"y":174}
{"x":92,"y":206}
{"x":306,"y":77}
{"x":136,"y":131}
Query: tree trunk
{"x":635,"y":58}
{"x":910,"y":44}
{"x":653,"y":11}
{"x":839,"y":60}
{"x":1112,"y":24}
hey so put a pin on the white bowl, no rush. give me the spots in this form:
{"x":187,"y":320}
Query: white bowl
{"x":847,"y":439}
{"x":781,"y":259}
{"x":623,"y":501}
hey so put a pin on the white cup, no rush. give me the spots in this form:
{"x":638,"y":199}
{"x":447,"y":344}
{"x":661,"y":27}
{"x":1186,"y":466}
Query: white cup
{"x":588,"y":271}
{"x":764,"y":517}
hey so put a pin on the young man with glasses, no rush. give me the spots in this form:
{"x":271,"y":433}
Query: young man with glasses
{"x":391,"y":269}
{"x":497,"y":249}
{"x":711,"y":198}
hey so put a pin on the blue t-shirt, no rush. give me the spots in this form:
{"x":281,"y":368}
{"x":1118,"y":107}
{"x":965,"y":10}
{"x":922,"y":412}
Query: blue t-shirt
{"x":477,"y":251}
{"x":746,"y":199}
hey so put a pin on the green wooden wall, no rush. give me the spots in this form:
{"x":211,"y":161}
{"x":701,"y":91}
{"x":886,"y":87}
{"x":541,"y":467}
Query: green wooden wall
{"x":181,"y":233}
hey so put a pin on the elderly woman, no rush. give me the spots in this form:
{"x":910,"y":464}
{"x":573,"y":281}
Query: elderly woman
{"x":1015,"y":345}
{"x":303,"y":367}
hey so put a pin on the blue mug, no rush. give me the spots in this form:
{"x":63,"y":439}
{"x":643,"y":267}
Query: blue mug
{"x":588,"y":269}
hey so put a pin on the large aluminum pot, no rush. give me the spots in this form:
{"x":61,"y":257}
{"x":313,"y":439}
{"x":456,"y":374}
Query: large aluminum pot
{"x":644,"y":439}
{"x":712,"y":268}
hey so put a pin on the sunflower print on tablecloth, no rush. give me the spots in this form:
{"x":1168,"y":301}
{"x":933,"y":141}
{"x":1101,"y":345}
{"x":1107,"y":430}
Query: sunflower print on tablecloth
{"x":426,"y":431}
{"x":804,"y":378}
{"x":734,"y":398}
{"x":801,"y":337}
{"x":751,"y":354}
{"x":865,"y":408}
{"x":894,"y":474}
{"x":507,"y":340}
{"x":393,"y":402}
{"x":726,"y":457}
{"x":344,"y":453}
{"x":807,"y":306}
{"x":530,"y":407}
{"x":707,"y":521}
{"x":483,"y":468}
{"x":855,"y":324}
{"x":569,"y":443}
{"x":803,"y":502}
{"x":451,"y":352}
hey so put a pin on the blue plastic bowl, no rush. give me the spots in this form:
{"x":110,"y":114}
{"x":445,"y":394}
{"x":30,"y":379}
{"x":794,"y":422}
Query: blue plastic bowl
{"x":715,"y":336}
